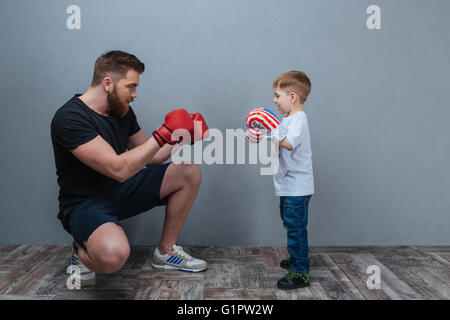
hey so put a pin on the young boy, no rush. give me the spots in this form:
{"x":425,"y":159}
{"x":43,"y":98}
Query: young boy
{"x":294,"y":181}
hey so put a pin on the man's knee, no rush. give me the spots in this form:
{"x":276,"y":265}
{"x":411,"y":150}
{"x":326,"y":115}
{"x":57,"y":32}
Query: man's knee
{"x":108,"y":248}
{"x":178,"y":176}
{"x":113,"y":258}
{"x":191,"y":173}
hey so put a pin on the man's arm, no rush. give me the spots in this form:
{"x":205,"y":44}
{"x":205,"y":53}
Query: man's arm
{"x":162,"y":155}
{"x":100,"y":156}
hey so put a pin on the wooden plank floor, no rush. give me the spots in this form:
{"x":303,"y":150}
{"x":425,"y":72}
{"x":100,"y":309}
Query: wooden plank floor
{"x":407,"y":272}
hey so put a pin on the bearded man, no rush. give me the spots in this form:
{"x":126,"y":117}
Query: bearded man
{"x":109,"y":170}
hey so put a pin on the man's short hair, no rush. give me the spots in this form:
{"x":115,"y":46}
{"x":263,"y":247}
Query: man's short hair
{"x":115,"y":64}
{"x":294,"y":81}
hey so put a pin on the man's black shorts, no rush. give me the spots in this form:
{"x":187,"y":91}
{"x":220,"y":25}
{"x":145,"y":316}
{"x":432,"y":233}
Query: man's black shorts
{"x":138,"y":194}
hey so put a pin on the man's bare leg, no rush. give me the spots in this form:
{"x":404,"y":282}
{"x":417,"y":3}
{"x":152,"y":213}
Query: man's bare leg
{"x":181,"y":183}
{"x":107,"y":249}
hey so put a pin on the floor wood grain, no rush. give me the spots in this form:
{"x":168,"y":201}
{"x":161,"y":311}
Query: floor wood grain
{"x":251,"y":273}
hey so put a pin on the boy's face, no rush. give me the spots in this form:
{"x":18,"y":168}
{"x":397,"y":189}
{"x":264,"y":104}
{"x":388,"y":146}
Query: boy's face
{"x":284,"y":100}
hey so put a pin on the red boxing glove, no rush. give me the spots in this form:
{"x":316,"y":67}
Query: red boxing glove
{"x":200,"y":127}
{"x":176,"y":119}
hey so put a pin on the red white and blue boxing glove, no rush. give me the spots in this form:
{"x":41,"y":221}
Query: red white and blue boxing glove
{"x":262,"y":118}
{"x":260,"y":123}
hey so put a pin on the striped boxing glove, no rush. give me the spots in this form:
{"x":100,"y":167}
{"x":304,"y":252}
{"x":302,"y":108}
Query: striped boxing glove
{"x":260,"y":123}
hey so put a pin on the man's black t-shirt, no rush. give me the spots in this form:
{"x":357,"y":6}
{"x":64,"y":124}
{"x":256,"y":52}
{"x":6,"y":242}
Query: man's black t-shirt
{"x":74,"y":124}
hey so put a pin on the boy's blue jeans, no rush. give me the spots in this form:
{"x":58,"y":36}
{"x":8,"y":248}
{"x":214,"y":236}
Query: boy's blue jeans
{"x":294,"y":213}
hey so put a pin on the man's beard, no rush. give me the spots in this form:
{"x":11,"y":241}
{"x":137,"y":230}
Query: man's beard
{"x":116,"y":106}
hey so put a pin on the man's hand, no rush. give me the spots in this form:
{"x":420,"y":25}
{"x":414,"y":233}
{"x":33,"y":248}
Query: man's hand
{"x":172,"y":129}
{"x":200,"y":127}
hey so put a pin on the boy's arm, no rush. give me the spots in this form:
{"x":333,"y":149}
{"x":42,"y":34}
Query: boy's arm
{"x":281,"y":133}
{"x":286,"y":144}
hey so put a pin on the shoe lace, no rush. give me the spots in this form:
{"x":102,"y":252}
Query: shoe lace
{"x":292,"y":274}
{"x":179,"y":250}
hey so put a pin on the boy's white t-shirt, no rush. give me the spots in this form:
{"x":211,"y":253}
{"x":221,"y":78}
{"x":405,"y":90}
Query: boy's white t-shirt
{"x":295,"y":174}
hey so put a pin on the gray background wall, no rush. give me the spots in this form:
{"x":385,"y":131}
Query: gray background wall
{"x":379,"y":110}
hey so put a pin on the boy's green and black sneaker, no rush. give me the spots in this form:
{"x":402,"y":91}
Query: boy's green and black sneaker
{"x":293,"y":280}
{"x":285,"y":264}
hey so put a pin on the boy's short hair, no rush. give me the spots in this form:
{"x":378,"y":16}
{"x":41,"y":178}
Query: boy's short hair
{"x":115,"y":64}
{"x":296,"y":81}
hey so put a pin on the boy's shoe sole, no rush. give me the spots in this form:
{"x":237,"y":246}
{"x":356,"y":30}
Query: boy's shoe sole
{"x":294,"y":280}
{"x":169,"y":267}
{"x":281,"y":287}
